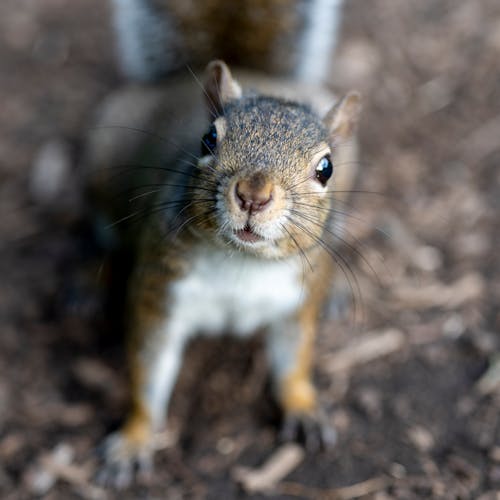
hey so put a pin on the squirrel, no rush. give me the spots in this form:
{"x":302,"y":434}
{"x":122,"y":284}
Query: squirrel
{"x":241,"y":175}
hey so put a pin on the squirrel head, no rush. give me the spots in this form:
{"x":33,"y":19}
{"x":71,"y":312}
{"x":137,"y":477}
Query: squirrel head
{"x":270,"y":166}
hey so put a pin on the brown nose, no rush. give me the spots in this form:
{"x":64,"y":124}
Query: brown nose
{"x":254,"y":194}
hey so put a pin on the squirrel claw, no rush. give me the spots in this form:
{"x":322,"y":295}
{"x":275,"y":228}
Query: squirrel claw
{"x":312,"y":430}
{"x":123,"y":461}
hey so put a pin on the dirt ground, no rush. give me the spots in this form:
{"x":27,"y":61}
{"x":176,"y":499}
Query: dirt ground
{"x":411,"y":378}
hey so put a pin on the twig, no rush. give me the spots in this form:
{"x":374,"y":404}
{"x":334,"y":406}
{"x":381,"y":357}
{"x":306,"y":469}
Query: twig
{"x":277,"y":466}
{"x":365,"y":348}
{"x":345,"y":493}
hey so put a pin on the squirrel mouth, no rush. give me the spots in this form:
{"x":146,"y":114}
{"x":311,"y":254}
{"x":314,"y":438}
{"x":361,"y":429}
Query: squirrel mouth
{"x":247,"y":235}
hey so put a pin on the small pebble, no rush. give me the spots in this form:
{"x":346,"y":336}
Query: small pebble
{"x":225,"y":446}
{"x":50,"y":172}
{"x":421,"y":438}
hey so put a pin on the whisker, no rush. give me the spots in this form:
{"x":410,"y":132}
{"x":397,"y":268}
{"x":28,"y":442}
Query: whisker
{"x":167,"y":203}
{"x":167,"y":184}
{"x":162,"y":208}
{"x":190,"y":220}
{"x":345,"y":214}
{"x":132,"y":167}
{"x":142,"y":195}
{"x":160,"y":186}
{"x":303,"y":259}
{"x":154,"y":135}
{"x":342,"y":240}
{"x":350,"y":191}
{"x":195,"y":165}
{"x":179,"y":228}
{"x":305,"y":179}
{"x":147,"y":211}
{"x":212,"y":111}
{"x":339,"y":259}
{"x":300,"y":249}
{"x":190,"y":204}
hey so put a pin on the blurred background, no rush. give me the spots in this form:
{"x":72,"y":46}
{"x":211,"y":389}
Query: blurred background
{"x":412,"y":382}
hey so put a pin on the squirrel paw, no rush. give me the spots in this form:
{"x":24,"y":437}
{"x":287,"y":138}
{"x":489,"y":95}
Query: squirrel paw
{"x":314,"y":431}
{"x":123,"y":461}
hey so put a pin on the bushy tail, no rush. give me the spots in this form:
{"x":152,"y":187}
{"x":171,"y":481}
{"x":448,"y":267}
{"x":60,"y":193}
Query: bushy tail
{"x":283,"y":37}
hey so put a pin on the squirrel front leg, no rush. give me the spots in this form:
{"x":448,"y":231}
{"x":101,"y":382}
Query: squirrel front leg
{"x":290,"y":347}
{"x":155,"y":355}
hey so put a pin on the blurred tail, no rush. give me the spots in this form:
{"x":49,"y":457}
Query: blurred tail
{"x":295,"y":38}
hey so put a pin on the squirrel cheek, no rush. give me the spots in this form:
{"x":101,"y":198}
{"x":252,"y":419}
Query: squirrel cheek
{"x":280,"y":203}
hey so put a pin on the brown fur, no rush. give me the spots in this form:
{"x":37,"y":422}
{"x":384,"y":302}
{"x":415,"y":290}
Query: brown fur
{"x":225,"y":29}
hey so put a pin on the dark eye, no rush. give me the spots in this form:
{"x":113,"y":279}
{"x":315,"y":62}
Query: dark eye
{"x":324,"y":170}
{"x":209,"y":141}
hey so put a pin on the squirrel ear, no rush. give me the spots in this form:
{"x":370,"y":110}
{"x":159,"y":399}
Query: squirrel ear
{"x":220,"y":87}
{"x":341,"y":120}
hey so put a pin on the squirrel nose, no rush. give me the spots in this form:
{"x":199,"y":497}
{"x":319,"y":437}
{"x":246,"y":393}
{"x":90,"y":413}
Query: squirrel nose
{"x":254,"y":194}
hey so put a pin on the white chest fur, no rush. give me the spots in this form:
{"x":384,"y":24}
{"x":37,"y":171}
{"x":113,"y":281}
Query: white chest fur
{"x":234,"y":293}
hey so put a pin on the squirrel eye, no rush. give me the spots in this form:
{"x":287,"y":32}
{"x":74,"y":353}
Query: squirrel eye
{"x":324,"y":170}
{"x":209,"y":141}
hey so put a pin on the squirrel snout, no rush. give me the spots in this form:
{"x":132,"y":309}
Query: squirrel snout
{"x":254,"y":194}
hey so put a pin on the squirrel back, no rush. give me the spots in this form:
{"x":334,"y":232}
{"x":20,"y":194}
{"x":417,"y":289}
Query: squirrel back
{"x":293,"y":38}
